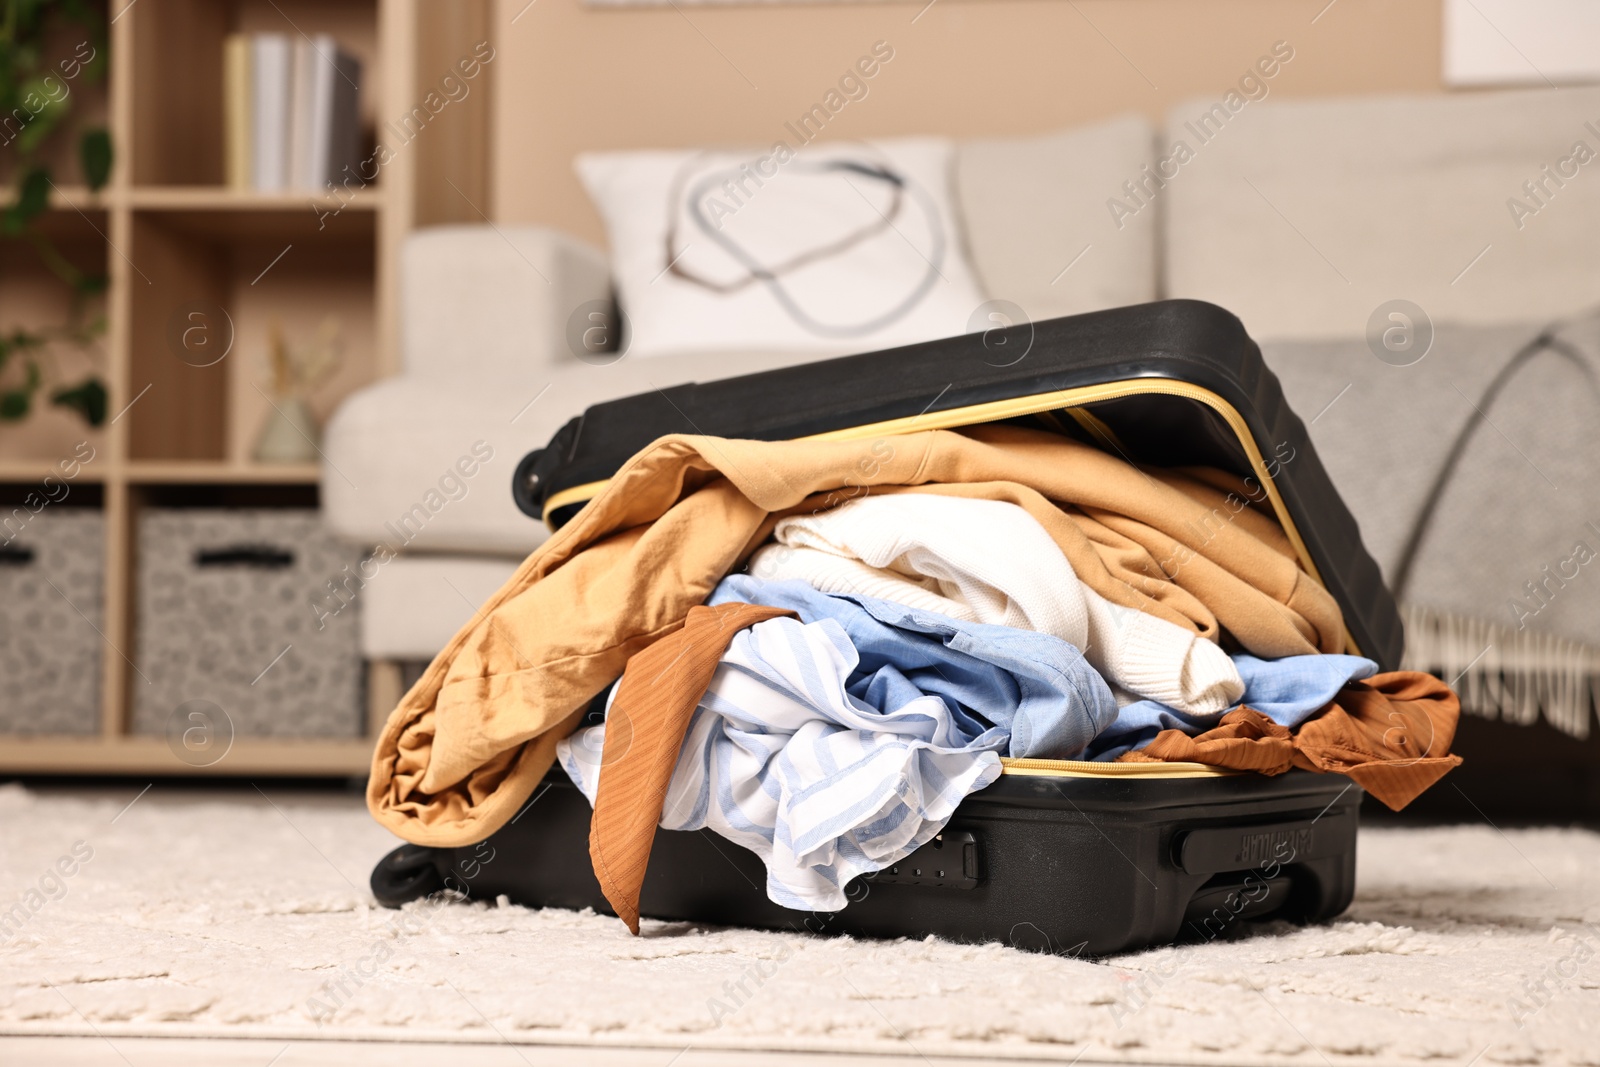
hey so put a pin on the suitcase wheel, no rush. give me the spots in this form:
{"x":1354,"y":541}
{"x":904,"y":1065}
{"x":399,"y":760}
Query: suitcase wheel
{"x":406,"y":874}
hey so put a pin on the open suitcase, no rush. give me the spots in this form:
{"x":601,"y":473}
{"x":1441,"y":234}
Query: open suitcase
{"x":1057,"y":855}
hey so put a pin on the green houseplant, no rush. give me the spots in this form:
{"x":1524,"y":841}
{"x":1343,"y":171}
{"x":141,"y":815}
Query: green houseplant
{"x":49,"y":49}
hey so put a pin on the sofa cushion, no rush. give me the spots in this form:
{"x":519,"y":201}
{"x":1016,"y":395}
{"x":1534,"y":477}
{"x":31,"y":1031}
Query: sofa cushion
{"x":493,"y":300}
{"x":413,"y":605}
{"x":419,"y":463}
{"x":1304,"y":216}
{"x":1033,"y":205}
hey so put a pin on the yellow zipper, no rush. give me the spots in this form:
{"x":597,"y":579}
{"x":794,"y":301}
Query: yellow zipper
{"x":577,"y":494}
{"x":996,"y":410}
{"x":1077,"y":768}
{"x":1063,"y":399}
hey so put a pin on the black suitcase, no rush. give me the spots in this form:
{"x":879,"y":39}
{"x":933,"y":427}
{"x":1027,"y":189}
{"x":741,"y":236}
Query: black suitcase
{"x":1057,"y":855}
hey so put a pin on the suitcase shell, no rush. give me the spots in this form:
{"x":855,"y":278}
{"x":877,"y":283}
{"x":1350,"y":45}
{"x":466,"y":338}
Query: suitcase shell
{"x":1173,"y":383}
{"x":1046,"y":862}
{"x":1061,"y":856}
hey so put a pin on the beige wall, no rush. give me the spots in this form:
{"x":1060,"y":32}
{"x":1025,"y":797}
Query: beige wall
{"x":572,"y":77}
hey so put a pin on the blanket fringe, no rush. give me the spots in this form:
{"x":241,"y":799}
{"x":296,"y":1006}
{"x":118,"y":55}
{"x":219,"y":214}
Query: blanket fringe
{"x":1503,"y":673}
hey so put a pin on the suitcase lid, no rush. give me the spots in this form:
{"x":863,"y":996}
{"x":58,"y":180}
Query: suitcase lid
{"x":1171,"y":383}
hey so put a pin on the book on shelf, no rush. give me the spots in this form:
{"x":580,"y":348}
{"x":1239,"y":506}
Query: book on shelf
{"x":236,"y":107}
{"x":292,"y":112}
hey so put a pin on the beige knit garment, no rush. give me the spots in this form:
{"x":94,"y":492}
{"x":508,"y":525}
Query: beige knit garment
{"x":989,"y":561}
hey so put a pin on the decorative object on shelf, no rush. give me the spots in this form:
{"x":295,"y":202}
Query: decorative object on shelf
{"x":290,"y":434}
{"x":36,"y":87}
{"x":292,"y":111}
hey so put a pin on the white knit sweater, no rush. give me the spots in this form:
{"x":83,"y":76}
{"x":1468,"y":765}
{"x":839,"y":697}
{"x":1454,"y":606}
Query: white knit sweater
{"x":990,"y":561}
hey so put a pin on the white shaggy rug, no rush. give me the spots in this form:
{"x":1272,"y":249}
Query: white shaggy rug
{"x":247,"y":915}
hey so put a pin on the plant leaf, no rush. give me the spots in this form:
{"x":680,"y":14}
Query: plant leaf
{"x":87,"y":398}
{"x":33,"y":196}
{"x":14,"y":404}
{"x":94,"y":152}
{"x":20,"y":340}
{"x":86,"y":331}
{"x":43,"y":111}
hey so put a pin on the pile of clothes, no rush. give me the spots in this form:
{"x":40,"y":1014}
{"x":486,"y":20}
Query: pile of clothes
{"x":818,"y":649}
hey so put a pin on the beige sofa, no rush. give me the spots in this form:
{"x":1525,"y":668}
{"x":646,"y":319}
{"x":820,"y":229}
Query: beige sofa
{"x":488,"y":363}
{"x":1302,"y":217}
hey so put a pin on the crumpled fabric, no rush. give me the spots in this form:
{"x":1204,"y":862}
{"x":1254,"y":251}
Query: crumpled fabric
{"x":990,"y":561}
{"x":1039,"y":689}
{"x":1390,"y":734}
{"x":838,"y":745}
{"x":1288,"y":691}
{"x":783,"y":758}
{"x":651,"y":707}
{"x":470,"y":741}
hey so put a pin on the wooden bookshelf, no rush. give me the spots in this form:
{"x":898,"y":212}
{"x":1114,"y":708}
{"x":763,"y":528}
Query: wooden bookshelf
{"x":170,"y":234}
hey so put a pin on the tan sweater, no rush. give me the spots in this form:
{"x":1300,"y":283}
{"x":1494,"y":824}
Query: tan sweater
{"x":468,"y":744}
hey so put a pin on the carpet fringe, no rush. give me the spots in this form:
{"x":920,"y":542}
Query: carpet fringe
{"x":1502,"y":673}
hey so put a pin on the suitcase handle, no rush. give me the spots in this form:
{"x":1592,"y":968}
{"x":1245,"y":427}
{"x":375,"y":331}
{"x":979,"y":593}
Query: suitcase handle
{"x":15,"y":556}
{"x":266,"y":557}
{"x":1217,"y":849}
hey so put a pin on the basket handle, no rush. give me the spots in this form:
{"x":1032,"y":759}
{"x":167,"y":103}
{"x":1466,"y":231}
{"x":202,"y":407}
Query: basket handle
{"x":263,"y":557}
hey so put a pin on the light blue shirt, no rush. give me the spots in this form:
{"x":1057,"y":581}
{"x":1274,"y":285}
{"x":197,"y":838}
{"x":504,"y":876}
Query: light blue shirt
{"x":1036,"y":687}
{"x":839,"y":743}
{"x":1288,"y":691}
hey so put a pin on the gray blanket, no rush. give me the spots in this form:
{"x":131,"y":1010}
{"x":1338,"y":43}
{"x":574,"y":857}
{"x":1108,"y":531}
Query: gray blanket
{"x":1511,"y":557}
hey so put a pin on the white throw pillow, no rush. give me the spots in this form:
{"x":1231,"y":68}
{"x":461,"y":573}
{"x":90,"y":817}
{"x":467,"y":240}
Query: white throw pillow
{"x":848,"y":247}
